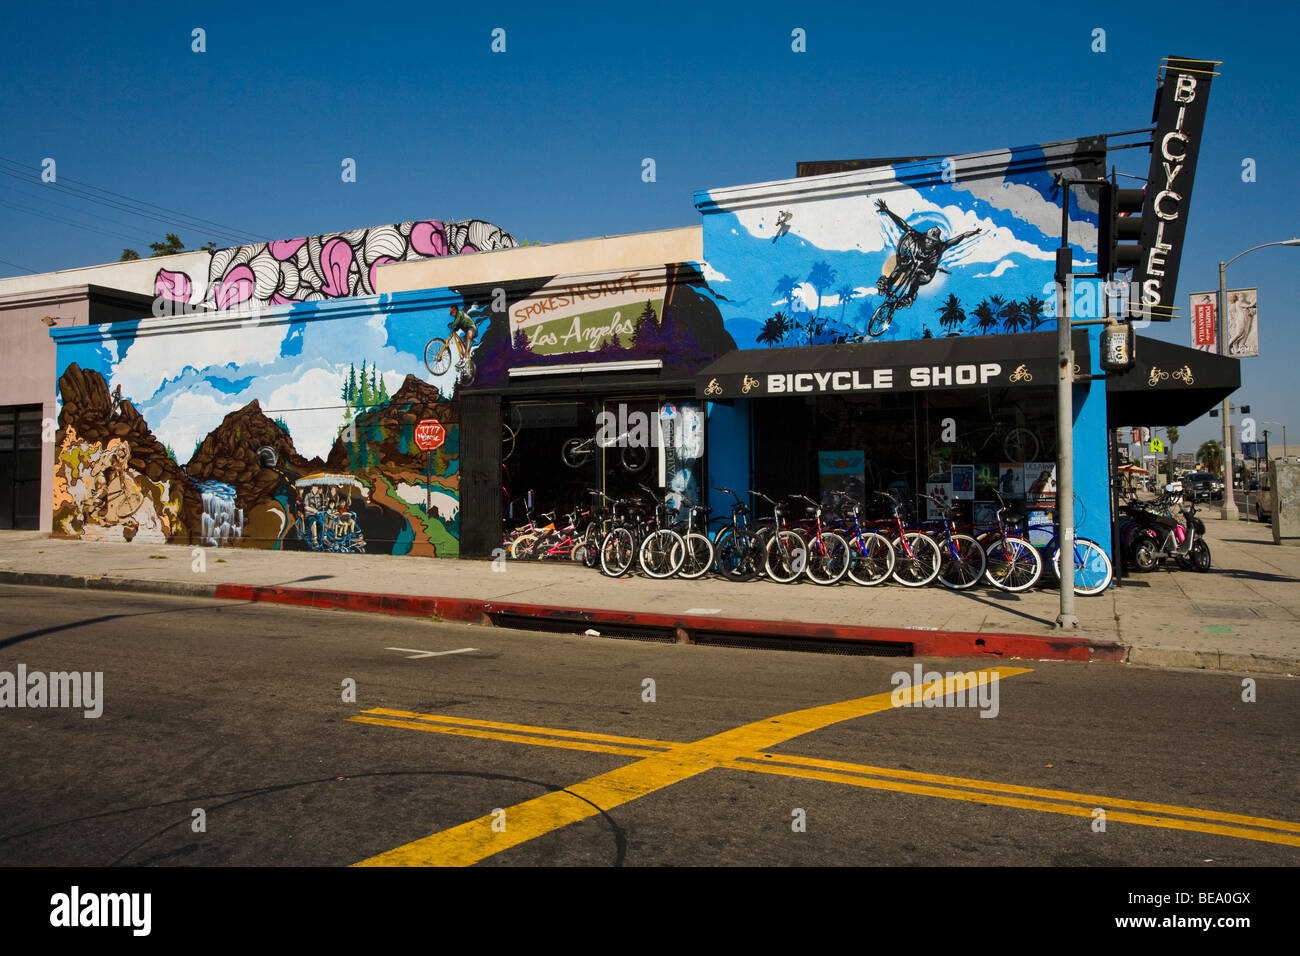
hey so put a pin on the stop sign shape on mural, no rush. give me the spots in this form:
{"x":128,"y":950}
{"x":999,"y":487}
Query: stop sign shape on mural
{"x":429,"y":434}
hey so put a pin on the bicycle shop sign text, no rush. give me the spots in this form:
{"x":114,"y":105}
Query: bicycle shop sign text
{"x":887,"y":379}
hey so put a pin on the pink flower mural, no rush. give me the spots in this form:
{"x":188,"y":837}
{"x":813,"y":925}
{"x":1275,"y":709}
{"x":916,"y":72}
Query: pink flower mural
{"x":335,"y":265}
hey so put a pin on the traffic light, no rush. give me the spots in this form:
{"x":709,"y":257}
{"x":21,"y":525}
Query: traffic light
{"x":1121,"y":229}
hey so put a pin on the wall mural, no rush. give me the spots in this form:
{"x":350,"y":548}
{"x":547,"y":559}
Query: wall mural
{"x":295,"y":433}
{"x":916,"y":254}
{"x":312,"y":268}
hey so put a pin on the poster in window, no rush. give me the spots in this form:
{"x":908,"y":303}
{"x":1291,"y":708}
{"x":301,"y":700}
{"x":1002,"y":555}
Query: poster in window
{"x":939,"y":485}
{"x":681,"y":451}
{"x":963,"y":482}
{"x":842,"y":471}
{"x":1040,"y":481}
{"x":1011,"y":479}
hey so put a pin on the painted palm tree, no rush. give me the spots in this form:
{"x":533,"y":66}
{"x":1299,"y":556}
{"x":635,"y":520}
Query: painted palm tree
{"x":1034,"y":307}
{"x":820,"y":277}
{"x":775,"y":329}
{"x":784,"y":289}
{"x":951,"y":313}
{"x":997,"y":305}
{"x":1013,"y":316}
{"x":845,"y":293}
{"x":985,"y":318}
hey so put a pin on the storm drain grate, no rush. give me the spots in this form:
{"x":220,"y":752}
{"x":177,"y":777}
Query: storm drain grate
{"x":811,"y":645}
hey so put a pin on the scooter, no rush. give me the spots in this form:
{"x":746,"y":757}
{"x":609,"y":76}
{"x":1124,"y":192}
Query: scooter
{"x":1157,"y":537}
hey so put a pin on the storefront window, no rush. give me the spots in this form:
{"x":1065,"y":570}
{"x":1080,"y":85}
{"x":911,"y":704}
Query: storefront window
{"x":960,"y":444}
{"x":561,"y":450}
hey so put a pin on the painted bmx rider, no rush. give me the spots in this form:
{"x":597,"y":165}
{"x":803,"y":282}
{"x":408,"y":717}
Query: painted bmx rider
{"x":916,"y":258}
{"x":461,"y":321}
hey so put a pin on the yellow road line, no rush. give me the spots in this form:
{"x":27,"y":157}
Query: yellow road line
{"x":522,"y":728}
{"x":1041,"y":805}
{"x":476,"y":840}
{"x":777,"y":763}
{"x":535,"y":741}
{"x":750,"y":762}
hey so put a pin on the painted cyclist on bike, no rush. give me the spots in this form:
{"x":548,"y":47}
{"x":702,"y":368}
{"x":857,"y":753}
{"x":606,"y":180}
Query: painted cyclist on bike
{"x":462,"y":321}
{"x":917,"y":258}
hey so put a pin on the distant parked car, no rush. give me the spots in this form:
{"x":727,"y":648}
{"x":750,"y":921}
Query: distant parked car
{"x":1199,"y":486}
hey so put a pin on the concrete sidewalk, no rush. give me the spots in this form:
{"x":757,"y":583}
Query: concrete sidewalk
{"x":1242,"y":616}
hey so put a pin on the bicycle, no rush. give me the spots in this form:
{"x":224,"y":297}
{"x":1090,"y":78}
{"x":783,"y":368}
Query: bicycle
{"x":438,"y":355}
{"x":963,"y":558}
{"x":618,"y":549}
{"x":698,"y":556}
{"x":883,"y":317}
{"x":662,"y":550}
{"x":786,"y":551}
{"x":917,"y":560}
{"x":1011,"y":562}
{"x":1092,"y":568}
{"x":576,"y":452}
{"x":871,"y":557}
{"x":827,"y":553}
{"x":736,"y":555}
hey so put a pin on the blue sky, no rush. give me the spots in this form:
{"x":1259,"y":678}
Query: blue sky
{"x":547,"y":139}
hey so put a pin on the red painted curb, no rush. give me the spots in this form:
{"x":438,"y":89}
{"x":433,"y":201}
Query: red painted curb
{"x":921,"y":642}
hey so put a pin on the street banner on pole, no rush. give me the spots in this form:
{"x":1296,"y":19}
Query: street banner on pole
{"x":1243,"y":322}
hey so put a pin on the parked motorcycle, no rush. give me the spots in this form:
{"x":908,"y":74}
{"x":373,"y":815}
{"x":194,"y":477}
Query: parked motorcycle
{"x":1153,"y":536}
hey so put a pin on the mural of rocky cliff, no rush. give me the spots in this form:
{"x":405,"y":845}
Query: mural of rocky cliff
{"x":422,"y":488}
{"x":232,"y":458}
{"x":113,"y":479}
{"x":246,"y":485}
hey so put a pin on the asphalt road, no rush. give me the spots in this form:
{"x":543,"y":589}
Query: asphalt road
{"x":237,"y":711}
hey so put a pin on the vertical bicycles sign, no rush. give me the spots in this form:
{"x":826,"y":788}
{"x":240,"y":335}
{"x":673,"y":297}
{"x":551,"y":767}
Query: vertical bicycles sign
{"x":1179,"y":117}
{"x":429,"y":436}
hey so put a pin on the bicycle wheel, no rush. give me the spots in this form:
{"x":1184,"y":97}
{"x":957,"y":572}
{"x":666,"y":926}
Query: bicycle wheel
{"x":437,"y":357}
{"x":1021,"y":444}
{"x":508,"y":436}
{"x":871,"y":559}
{"x":828,"y":561}
{"x":574,"y":453}
{"x":735,"y":555}
{"x":964,"y":568}
{"x":523,"y":545}
{"x":1012,"y":564}
{"x":591,"y":545}
{"x":470,"y":371}
{"x":617,"y":552}
{"x":881,"y":318}
{"x":698,"y":557}
{"x":1092,"y":570}
{"x":921,"y":566}
{"x":662,"y":553}
{"x":635,"y":457}
{"x":786,"y":557}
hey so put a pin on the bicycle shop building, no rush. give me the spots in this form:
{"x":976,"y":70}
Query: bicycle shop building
{"x":876,"y":328}
{"x":759,"y":358}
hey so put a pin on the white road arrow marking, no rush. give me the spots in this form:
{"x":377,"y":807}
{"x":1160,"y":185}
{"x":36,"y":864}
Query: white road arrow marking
{"x":414,"y":653}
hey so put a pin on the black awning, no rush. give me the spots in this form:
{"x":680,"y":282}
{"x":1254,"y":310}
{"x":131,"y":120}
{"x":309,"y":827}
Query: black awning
{"x":1169,"y":385}
{"x":967,"y":361}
